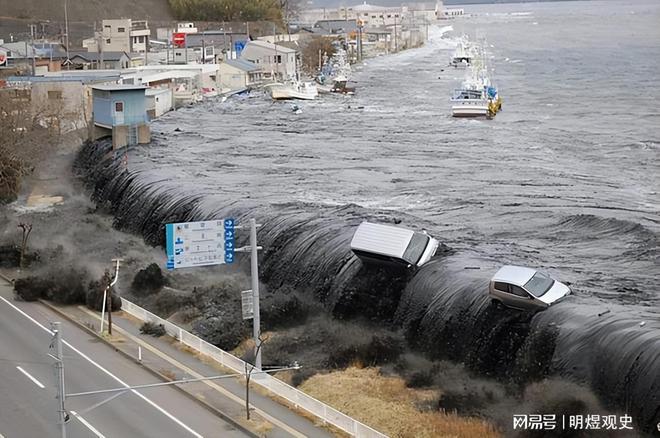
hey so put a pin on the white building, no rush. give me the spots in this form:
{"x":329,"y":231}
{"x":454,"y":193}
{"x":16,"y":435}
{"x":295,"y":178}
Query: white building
{"x":120,"y":35}
{"x":375,"y":16}
{"x":159,"y":101}
{"x":239,"y":74}
{"x":275,"y":61}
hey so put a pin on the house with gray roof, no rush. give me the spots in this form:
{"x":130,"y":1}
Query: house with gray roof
{"x":239,"y":74}
{"x":100,"y":61}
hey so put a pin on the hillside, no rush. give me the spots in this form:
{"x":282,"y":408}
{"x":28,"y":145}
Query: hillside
{"x":85,"y":10}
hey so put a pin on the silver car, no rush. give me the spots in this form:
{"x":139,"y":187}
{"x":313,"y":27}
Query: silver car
{"x":525,"y":288}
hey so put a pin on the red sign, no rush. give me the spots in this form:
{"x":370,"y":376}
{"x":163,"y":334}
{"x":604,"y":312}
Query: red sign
{"x":179,"y":39}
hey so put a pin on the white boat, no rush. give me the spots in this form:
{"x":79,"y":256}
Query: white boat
{"x":293,"y":89}
{"x":464,"y":54}
{"x":477,"y":97}
{"x":334,"y":72}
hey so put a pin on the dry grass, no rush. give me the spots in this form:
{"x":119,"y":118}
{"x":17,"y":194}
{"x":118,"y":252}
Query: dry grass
{"x":385,"y":404}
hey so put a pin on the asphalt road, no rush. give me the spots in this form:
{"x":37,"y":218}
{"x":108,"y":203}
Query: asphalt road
{"x":28,"y":407}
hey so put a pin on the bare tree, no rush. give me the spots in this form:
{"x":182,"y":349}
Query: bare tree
{"x":27,"y":229}
{"x":29,"y":133}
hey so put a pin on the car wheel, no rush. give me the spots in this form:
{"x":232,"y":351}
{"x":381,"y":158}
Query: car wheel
{"x":497,"y":304}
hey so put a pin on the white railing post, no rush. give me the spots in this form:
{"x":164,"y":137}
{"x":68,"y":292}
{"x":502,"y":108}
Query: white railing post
{"x":275,"y":386}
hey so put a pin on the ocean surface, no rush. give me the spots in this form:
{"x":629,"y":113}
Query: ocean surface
{"x":566,"y":178}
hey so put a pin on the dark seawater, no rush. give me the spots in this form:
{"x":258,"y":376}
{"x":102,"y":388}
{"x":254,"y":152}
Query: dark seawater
{"x":566,"y":178}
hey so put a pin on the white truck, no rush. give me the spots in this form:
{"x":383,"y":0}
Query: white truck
{"x":388,"y":244}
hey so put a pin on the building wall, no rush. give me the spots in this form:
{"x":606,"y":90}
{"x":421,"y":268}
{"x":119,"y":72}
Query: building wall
{"x":280,"y":64}
{"x":159,"y":102}
{"x":114,"y":39}
{"x":232,"y":77}
{"x":133,"y":101}
{"x":65,"y":106}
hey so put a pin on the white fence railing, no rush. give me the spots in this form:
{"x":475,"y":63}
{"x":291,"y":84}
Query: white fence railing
{"x":294,"y":396}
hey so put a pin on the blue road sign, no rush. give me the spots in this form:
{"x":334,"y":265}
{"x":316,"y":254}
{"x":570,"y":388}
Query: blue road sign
{"x":204,"y":243}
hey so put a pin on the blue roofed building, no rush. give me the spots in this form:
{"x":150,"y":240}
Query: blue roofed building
{"x":120,"y":111}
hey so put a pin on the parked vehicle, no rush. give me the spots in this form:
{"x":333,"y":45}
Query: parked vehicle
{"x":525,"y":288}
{"x":388,"y":244}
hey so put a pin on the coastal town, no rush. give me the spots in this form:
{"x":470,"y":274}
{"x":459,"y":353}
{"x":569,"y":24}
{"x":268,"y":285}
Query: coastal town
{"x":186,"y":63}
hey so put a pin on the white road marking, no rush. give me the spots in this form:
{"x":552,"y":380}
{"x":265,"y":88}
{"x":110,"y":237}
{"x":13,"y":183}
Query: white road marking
{"x":35,"y":381}
{"x":121,"y":382}
{"x":87,"y":425}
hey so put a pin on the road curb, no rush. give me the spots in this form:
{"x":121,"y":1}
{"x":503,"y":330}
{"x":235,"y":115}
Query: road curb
{"x":7,"y":279}
{"x":164,"y":378}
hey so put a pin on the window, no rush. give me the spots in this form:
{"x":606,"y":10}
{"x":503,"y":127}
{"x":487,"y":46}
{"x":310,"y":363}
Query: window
{"x":518,"y":291}
{"x":107,"y":26}
{"x":119,"y":107}
{"x":55,"y":95}
{"x":279,"y":59}
{"x":416,"y":248}
{"x":539,"y":284}
{"x":108,"y":41}
{"x":141,"y":39}
{"x":121,"y":29}
{"x":502,"y":287}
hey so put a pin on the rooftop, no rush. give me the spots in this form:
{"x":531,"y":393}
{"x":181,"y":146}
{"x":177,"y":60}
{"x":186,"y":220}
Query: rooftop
{"x":119,"y":87}
{"x":270,"y":46}
{"x":517,"y":275}
{"x":95,"y":56}
{"x":242,"y":64}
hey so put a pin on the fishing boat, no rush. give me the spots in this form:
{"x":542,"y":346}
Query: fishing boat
{"x":293,"y":89}
{"x":475,"y":101}
{"x":477,"y":97}
{"x":463,"y":55}
{"x":333,"y":72}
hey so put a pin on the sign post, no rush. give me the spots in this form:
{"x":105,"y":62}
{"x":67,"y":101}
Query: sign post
{"x":254,"y":275}
{"x":206,"y":243}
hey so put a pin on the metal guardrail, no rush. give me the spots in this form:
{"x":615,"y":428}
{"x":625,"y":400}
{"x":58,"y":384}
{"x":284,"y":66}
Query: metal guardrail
{"x":294,"y":396}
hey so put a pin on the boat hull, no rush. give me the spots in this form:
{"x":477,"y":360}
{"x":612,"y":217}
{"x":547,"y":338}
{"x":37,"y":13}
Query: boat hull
{"x":470,"y":109}
{"x":285,"y":93}
{"x":481,"y":108}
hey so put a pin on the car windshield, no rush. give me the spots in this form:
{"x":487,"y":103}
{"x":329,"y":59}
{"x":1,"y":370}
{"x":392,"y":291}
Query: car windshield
{"x":539,"y":284}
{"x":416,"y":248}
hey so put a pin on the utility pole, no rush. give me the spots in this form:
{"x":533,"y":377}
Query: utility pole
{"x":203,"y":52}
{"x":66,"y":34}
{"x":107,"y":299}
{"x":59,"y":371}
{"x":254,"y":274}
{"x":33,"y":29}
{"x":396,"y":46}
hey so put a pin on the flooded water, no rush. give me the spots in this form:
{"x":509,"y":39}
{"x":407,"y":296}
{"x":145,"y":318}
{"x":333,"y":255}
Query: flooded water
{"x":566,"y":178}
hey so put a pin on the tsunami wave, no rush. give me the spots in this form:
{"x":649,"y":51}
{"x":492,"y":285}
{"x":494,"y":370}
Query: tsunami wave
{"x":442,"y":307}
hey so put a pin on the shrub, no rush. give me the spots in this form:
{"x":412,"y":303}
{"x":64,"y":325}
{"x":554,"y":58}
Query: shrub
{"x":419,"y":379}
{"x":148,"y":280}
{"x":153,"y":329}
{"x":283,"y":309}
{"x":63,"y":287}
{"x":31,"y":288}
